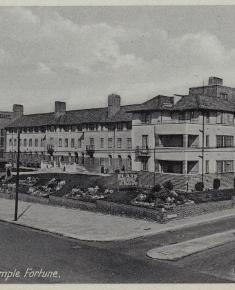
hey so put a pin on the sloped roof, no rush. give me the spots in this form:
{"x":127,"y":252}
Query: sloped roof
{"x":157,"y":103}
{"x":203,"y":102}
{"x":95,"y":115}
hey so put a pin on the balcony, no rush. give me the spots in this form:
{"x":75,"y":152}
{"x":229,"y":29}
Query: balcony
{"x":90,"y":150}
{"x":142,"y":152}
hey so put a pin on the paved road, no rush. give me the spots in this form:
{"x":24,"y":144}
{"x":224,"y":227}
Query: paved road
{"x":116,"y":262}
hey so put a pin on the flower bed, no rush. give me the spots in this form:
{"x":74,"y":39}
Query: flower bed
{"x":89,"y":194}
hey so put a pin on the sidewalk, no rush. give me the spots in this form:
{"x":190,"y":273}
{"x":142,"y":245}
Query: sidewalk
{"x":181,"y":250}
{"x":90,"y":226}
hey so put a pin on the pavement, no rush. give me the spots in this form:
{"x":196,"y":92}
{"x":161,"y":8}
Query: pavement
{"x":181,"y":250}
{"x":93,"y":226}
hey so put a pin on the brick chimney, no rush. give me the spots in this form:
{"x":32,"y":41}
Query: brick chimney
{"x":60,"y":108}
{"x":114,"y":102}
{"x":215,"y":81}
{"x":18,"y":111}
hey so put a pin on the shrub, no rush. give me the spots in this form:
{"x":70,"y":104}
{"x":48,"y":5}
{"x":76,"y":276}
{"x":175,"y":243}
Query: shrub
{"x":199,"y":186}
{"x":168,"y":185}
{"x":156,"y":188}
{"x":216,"y":183}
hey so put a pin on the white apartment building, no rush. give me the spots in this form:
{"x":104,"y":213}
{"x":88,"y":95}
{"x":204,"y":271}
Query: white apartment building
{"x":96,"y":138}
{"x":191,"y":139}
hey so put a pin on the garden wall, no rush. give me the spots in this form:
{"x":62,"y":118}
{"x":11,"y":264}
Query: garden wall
{"x":183,"y":211}
{"x":72,"y":203}
{"x":128,"y":210}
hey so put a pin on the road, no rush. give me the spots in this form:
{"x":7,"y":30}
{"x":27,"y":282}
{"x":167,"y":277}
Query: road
{"x":112,"y":262}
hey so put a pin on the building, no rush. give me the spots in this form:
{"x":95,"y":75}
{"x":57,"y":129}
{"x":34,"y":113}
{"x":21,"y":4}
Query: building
{"x":99,"y":138}
{"x":190,"y":140}
{"x":5,"y":119}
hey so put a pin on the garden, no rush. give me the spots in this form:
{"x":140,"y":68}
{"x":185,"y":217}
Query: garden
{"x":161,"y":198}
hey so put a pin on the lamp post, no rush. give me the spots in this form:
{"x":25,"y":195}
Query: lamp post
{"x":17,"y":175}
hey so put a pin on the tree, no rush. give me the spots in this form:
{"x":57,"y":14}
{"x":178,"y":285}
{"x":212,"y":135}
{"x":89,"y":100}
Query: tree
{"x":156,"y":188}
{"x":199,"y":186}
{"x":168,"y":185}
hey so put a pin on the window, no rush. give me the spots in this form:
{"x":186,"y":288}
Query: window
{"x":30,"y":142}
{"x":25,"y":142}
{"x":228,"y":166}
{"x":52,"y":129}
{"x":119,"y":126}
{"x":102,"y":161}
{"x":36,"y":142}
{"x":111,"y":127}
{"x":79,"y":143}
{"x":228,"y":141}
{"x":91,"y":127}
{"x":15,"y":142}
{"x":73,"y":128}
{"x":129,"y":126}
{"x":72,"y":143}
{"x":146,"y":118}
{"x":224,"y":166}
{"x":60,"y":142}
{"x":110,"y":142}
{"x":207,"y":141}
{"x":224,"y":96}
{"x":92,"y":141}
{"x":129,"y":143}
{"x":224,"y":141}
{"x":207,"y":166}
{"x":66,"y":142}
{"x":10,"y":142}
{"x":42,"y":141}
{"x":207,"y":117}
{"x":110,"y":160}
{"x":145,"y":165}
{"x":101,"y":142}
{"x":145,"y":141}
{"x":119,"y":142}
{"x":224,"y":118}
{"x":79,"y":128}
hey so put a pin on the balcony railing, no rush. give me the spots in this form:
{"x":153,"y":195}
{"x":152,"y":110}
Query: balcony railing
{"x":90,"y":150}
{"x":142,"y":152}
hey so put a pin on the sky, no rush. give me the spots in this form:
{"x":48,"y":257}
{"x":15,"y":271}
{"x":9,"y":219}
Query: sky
{"x":82,"y":54}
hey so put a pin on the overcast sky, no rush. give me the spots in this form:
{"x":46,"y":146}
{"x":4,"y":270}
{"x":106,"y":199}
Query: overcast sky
{"x":82,"y":54}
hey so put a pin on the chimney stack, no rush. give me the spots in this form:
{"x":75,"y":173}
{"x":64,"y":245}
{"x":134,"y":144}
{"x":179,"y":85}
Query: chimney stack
{"x":114,"y":103}
{"x":18,"y":111}
{"x":60,"y":108}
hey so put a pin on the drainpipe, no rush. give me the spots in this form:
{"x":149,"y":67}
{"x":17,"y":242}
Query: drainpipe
{"x":154,"y":176}
{"x":203,"y":141}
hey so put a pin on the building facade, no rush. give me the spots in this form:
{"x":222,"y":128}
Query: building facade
{"x":5,"y":119}
{"x":98,"y":139}
{"x":192,"y":138}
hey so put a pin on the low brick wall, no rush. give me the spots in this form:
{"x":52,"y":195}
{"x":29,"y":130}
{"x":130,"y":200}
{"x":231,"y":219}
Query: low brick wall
{"x":72,"y":203}
{"x":33,"y":198}
{"x":183,"y":211}
{"x":128,"y":210}
{"x":6,"y":195}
